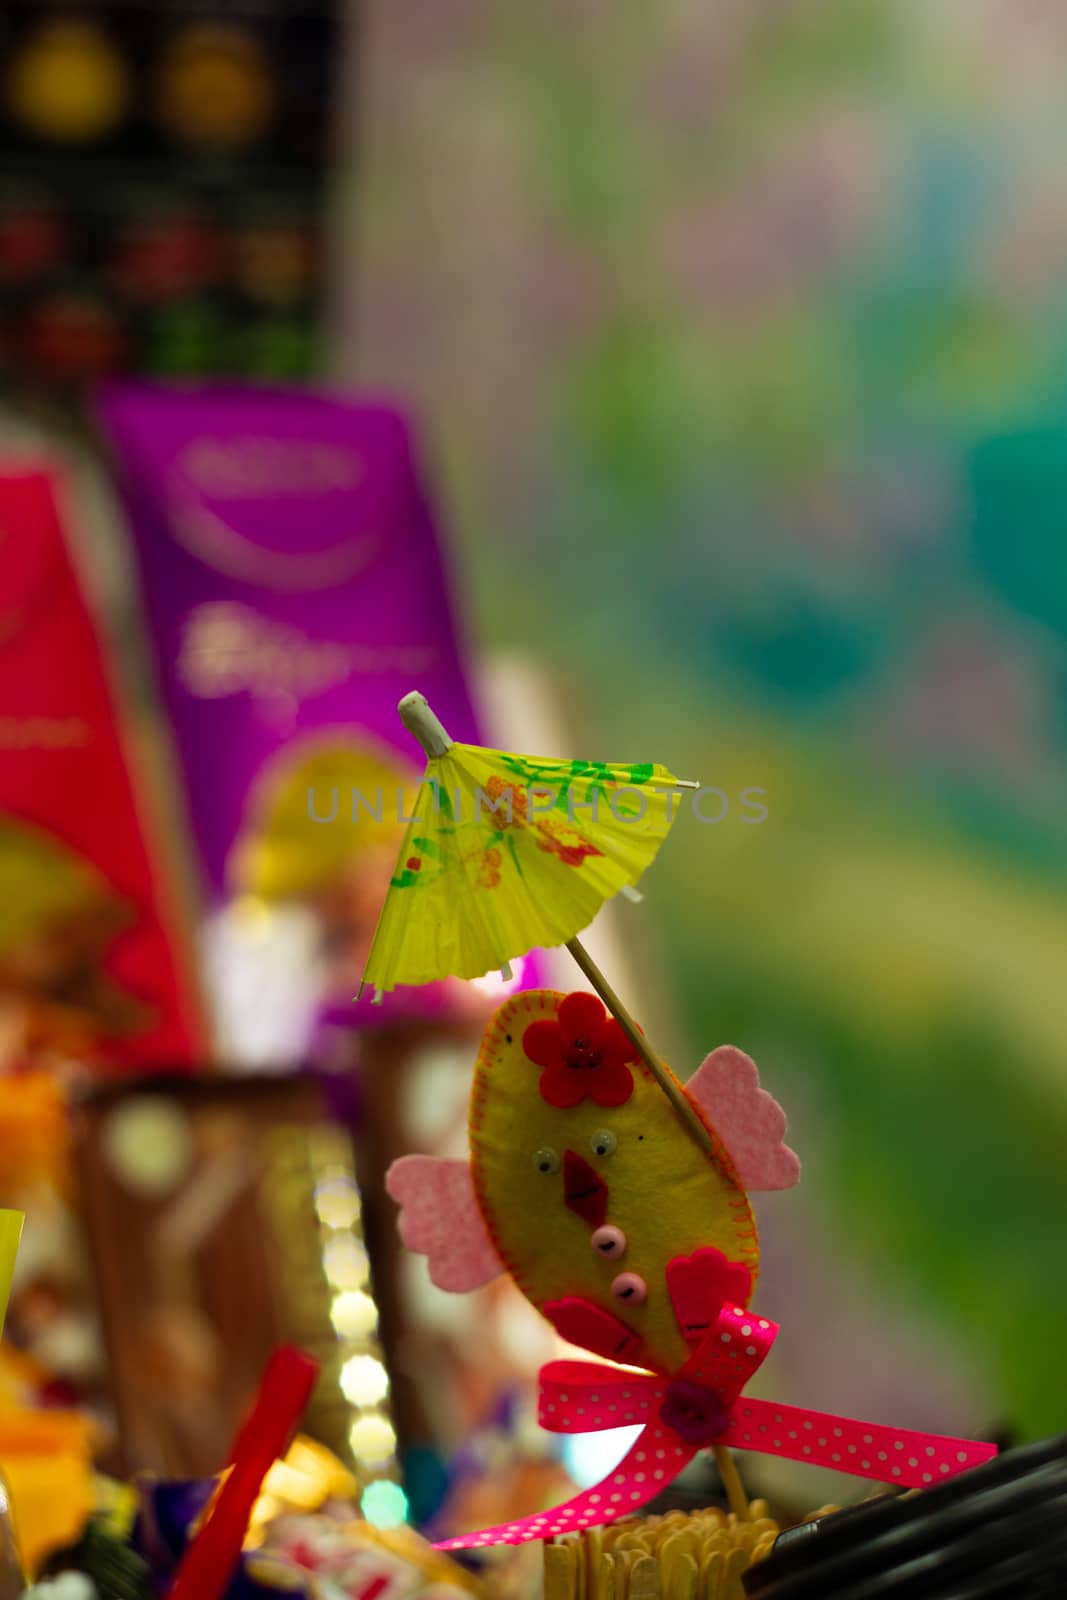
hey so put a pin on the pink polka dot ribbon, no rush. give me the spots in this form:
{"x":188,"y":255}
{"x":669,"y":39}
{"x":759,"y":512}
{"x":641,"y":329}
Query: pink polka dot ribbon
{"x":702,"y":1404}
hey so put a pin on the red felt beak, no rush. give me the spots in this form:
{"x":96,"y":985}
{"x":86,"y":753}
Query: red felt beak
{"x":582,"y":1323}
{"x":584,"y":1190}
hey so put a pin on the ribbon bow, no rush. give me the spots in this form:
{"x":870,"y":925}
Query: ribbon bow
{"x":703,"y":1405}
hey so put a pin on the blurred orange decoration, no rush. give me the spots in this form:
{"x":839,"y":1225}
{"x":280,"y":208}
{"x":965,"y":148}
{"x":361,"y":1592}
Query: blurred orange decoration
{"x":46,"y":1455}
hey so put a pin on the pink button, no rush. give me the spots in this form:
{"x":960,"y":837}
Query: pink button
{"x":629,"y":1289}
{"x":610,"y":1242}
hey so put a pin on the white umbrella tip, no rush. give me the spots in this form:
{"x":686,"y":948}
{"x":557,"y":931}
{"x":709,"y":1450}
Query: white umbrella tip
{"x":417,"y":717}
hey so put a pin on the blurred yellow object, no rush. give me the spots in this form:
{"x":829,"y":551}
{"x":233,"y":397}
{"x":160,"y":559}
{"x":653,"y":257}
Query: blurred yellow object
{"x":10,"y":1234}
{"x":411,"y":1547}
{"x":309,"y":1468}
{"x":21,"y":1377}
{"x":309,"y":1500}
{"x":216,"y":87}
{"x":69,"y":83}
{"x":303,"y":1481}
{"x":34,"y":1132}
{"x":283,"y":853}
{"x":307,"y":1477}
{"x":58,"y":916}
{"x":117,"y":1503}
{"x":46,"y":1459}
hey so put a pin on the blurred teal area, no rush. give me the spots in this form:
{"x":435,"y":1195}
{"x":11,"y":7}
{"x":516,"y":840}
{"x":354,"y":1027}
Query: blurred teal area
{"x":740,"y":333}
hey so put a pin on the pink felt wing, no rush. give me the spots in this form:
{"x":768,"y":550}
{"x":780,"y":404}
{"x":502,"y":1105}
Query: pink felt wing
{"x":440,"y":1219}
{"x":749,"y":1121}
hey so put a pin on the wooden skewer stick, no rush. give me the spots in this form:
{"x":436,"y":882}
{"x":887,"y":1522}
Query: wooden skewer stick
{"x":731,"y":1482}
{"x":671,"y":1088}
{"x":728,"y":1472}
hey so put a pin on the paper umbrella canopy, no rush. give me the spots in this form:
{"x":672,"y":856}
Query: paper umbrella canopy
{"x":504,"y":853}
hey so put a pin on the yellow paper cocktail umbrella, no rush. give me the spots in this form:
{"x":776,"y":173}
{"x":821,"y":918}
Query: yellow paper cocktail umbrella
{"x":506,"y":852}
{"x":10,"y":1235}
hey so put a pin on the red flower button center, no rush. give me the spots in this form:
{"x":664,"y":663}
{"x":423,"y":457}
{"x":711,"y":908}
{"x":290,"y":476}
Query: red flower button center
{"x":582,"y":1053}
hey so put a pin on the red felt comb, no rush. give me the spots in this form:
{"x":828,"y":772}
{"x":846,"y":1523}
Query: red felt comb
{"x":208,"y":1563}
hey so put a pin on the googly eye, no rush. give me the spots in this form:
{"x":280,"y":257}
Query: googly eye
{"x":603,"y":1142}
{"x":546,"y":1160}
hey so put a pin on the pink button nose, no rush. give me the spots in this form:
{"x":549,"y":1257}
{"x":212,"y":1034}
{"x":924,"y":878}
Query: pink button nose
{"x":610,"y":1242}
{"x":630,"y":1289}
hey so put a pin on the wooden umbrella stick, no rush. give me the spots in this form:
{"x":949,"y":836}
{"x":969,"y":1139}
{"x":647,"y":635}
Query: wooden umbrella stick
{"x":736,"y":1497}
{"x":673,"y":1090}
{"x":735,"y":1492}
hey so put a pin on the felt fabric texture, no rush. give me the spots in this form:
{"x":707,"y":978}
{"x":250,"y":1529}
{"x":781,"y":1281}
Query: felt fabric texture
{"x":582,"y":1323}
{"x":749,"y":1121}
{"x":530,"y":1162}
{"x":700,"y":1285}
{"x":440,"y":1219}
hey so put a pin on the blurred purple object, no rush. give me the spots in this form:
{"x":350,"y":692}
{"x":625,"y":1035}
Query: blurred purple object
{"x":306,"y":517}
{"x":294,"y":589}
{"x":167,"y":1514}
{"x":166,"y":1510}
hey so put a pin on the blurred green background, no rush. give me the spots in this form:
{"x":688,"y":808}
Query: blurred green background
{"x":739,"y":332}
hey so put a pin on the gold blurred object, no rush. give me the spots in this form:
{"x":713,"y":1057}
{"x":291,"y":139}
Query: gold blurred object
{"x":410,"y":1547}
{"x":11,"y":1223}
{"x":311,"y":1478}
{"x":216,"y":87}
{"x":34,"y":1133}
{"x":698,"y":1555}
{"x":305,"y":1480}
{"x":339,"y":870}
{"x":21,"y":1375}
{"x":117,"y":1502}
{"x":68,"y":83}
{"x":47,"y":1465}
{"x":282,"y":852}
{"x":58,"y":918}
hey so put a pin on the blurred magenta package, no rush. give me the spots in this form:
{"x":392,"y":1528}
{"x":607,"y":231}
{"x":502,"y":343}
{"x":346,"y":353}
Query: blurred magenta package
{"x":294,"y":590}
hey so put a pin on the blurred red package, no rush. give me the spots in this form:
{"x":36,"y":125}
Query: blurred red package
{"x":91,"y":968}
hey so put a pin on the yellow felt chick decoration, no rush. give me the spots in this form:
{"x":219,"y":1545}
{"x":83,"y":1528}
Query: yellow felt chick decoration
{"x":586,"y":1188}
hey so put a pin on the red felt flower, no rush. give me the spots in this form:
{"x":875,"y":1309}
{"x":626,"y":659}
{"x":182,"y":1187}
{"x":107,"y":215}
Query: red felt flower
{"x":583,"y":1053}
